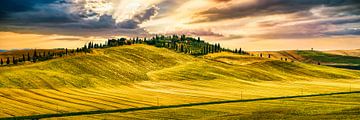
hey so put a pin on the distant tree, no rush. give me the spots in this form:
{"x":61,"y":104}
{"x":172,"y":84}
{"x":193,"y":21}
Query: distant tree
{"x":219,"y":47}
{"x":14,"y":61}
{"x":8,"y":61}
{"x":236,"y":50}
{"x":240,"y":51}
{"x":89,"y":45}
{"x":23,"y":59}
{"x":212,"y":48}
{"x":286,"y":59}
{"x":319,"y":63}
{"x":28,"y":55}
{"x":269,"y":56}
{"x":1,"y":62}
{"x":261,"y":55}
{"x":199,"y":39}
{"x":181,"y":48}
{"x":281,"y":59}
{"x":66,"y":51}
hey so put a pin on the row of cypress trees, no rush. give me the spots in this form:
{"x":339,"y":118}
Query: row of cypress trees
{"x":182,"y":44}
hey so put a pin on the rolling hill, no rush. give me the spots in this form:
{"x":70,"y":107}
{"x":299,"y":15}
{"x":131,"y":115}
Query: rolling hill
{"x":138,"y":76}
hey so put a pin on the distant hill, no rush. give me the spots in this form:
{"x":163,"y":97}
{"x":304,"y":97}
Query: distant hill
{"x":2,"y":50}
{"x":342,"y":59}
{"x":127,"y":64}
{"x":355,"y":53}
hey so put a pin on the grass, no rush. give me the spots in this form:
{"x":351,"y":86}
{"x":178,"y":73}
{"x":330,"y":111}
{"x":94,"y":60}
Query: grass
{"x":341,"y":61}
{"x":145,"y":76}
{"x":174,"y":106}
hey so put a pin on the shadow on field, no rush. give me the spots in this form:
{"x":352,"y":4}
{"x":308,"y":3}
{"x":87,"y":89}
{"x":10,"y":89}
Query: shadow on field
{"x":169,"y":106}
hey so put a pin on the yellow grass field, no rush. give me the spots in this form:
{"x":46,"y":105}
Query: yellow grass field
{"x":143,"y":76}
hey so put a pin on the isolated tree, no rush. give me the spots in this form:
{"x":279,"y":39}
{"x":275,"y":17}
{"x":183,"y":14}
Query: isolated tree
{"x":8,"y":61}
{"x":281,"y":59}
{"x":269,"y":56}
{"x":261,"y":55}
{"x":319,"y":63}
{"x":286,"y":59}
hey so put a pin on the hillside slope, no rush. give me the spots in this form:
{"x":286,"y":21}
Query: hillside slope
{"x":124,"y":65}
{"x":355,"y":53}
{"x":112,"y":66}
{"x":340,"y":59}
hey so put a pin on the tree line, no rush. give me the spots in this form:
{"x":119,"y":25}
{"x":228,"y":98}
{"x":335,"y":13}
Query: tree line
{"x":182,"y":44}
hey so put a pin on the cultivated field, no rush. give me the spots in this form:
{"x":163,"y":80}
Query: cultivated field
{"x":139,"y":76}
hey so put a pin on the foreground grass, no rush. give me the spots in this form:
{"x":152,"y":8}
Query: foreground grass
{"x":174,"y":106}
{"x":149,"y":94}
{"x":322,"y":107}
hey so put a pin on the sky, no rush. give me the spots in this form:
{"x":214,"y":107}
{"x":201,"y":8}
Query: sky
{"x":248,"y":24}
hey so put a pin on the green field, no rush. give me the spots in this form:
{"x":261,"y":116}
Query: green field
{"x":145,"y":76}
{"x":341,"y":61}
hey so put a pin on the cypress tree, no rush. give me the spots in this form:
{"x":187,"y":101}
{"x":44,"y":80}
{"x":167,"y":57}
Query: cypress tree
{"x":212,"y":48}
{"x":28,"y":55}
{"x":240,"y":51}
{"x":24,"y":58}
{"x":89,"y":45}
{"x":261,"y":55}
{"x":236,"y":51}
{"x":66,"y":51}
{"x":8,"y":60}
{"x":14,"y":62}
{"x":1,"y":62}
{"x":181,"y":48}
{"x":269,"y":56}
{"x":204,"y":51}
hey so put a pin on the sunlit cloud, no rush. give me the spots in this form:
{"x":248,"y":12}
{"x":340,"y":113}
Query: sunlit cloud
{"x":240,"y":22}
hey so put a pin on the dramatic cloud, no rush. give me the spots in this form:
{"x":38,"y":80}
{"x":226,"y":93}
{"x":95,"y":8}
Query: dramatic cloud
{"x":234,"y":22}
{"x":268,"y":7}
{"x":196,"y":32}
{"x":139,"y":18}
{"x":59,"y":16}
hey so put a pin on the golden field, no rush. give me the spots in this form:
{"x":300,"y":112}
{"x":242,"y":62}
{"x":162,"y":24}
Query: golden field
{"x":144,"y":76}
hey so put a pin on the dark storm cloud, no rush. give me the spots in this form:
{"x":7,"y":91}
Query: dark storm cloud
{"x":66,"y":17}
{"x":139,"y":18}
{"x":11,"y":6}
{"x":269,"y":7}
